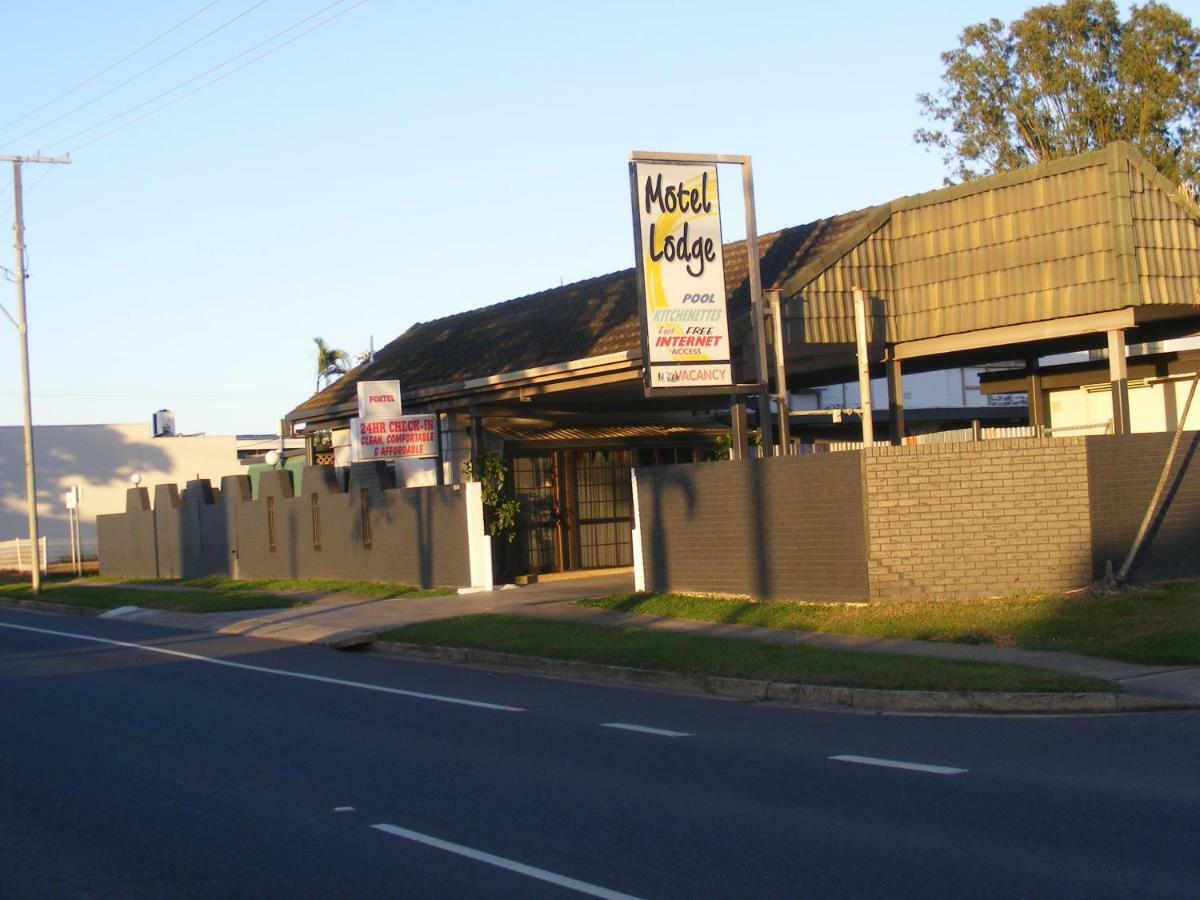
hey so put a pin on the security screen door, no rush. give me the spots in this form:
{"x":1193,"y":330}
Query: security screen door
{"x":535,"y":482}
{"x":604,"y":510}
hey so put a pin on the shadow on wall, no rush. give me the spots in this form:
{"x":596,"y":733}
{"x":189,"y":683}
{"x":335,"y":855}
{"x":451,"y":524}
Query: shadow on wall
{"x":666,"y":481}
{"x":99,"y":458}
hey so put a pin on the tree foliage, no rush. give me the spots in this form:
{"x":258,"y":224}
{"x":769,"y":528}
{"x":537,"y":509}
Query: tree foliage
{"x":1064,"y":79}
{"x":501,"y":507}
{"x":330,"y":362}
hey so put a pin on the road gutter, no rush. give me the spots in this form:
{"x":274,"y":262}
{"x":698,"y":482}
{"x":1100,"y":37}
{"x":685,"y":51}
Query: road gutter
{"x":782,"y":692}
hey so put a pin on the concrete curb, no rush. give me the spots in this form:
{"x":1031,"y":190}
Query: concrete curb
{"x":43,"y":606}
{"x":818,"y":695}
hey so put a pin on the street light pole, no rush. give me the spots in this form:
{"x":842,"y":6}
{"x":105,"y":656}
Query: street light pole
{"x":23,"y":331}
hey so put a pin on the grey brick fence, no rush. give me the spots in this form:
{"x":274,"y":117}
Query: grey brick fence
{"x":365,"y":528}
{"x":953,"y":521}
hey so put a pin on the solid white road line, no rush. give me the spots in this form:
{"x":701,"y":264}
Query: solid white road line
{"x":645,"y":729}
{"x":582,"y":887}
{"x":899,"y":764}
{"x":249,"y":668}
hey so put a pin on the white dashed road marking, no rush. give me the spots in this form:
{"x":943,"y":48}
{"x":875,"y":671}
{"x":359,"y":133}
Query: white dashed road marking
{"x":899,"y":764}
{"x":645,"y":729}
{"x":583,"y":887}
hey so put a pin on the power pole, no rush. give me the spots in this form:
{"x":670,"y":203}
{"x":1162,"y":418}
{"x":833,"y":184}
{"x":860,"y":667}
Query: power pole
{"x":23,"y":331}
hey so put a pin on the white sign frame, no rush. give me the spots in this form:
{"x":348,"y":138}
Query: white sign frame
{"x":379,"y":400}
{"x":681,"y":277}
{"x":754,"y":282}
{"x":396,"y":433}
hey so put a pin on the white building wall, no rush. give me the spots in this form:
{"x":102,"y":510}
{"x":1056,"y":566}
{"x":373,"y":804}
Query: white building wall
{"x":922,"y":390}
{"x":1152,"y":407}
{"x":960,"y":387}
{"x":99,"y":459}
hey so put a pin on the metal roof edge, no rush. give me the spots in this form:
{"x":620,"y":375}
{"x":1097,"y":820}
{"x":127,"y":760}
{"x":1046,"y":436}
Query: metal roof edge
{"x":1146,"y":168}
{"x":824,"y":261}
{"x":1007,"y":179}
{"x":500,"y":379}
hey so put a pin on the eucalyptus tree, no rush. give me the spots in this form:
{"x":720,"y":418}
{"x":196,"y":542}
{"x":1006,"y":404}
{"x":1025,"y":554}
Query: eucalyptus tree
{"x":1064,"y":79}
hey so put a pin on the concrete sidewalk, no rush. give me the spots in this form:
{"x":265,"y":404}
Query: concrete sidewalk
{"x":347,"y":619}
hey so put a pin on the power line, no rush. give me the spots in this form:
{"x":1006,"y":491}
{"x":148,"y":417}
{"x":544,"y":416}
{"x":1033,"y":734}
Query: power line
{"x":109,"y":68}
{"x":220,"y":78}
{"x":192,"y":80}
{"x":146,"y":71}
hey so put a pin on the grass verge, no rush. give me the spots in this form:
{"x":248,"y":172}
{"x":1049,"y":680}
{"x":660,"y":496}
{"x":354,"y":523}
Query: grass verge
{"x":1158,"y":624}
{"x":732,"y":658}
{"x":377,"y":589}
{"x":106,"y":597}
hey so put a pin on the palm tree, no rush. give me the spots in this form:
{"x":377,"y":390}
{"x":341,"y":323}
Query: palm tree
{"x":330,"y":362}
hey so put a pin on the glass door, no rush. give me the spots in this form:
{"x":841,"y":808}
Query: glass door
{"x":534,"y":484}
{"x":604,"y":504}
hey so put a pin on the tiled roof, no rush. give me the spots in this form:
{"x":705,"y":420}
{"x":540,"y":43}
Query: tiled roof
{"x":588,"y":318}
{"x":1090,"y":233}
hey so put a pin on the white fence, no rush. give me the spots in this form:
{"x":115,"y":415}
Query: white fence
{"x":17,"y":555}
{"x":967,"y":435}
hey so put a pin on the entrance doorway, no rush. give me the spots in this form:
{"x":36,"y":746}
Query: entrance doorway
{"x":604,"y":508}
{"x":576,"y":510}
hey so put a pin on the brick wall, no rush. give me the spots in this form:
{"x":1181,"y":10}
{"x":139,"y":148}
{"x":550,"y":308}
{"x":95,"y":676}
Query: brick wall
{"x":954,"y":521}
{"x":372,"y":530}
{"x":784,"y":527}
{"x":1122,"y":475}
{"x":190,"y":528}
{"x":959,"y":521}
{"x":126,"y":540}
{"x":367,"y":529}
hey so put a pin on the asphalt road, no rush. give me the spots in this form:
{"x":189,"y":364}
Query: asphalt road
{"x":300,"y":771}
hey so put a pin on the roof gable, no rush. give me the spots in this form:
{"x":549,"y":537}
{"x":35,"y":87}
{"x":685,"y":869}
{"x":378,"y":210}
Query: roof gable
{"x":1095,"y":232}
{"x":589,"y":318}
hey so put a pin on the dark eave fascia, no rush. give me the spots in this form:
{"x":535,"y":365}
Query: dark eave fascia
{"x":1092,"y":372}
{"x":463,"y":393}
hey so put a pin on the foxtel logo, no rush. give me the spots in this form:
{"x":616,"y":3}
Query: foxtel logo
{"x":381,"y":398}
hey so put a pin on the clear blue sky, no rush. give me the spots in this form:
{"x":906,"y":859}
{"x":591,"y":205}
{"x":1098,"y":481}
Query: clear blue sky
{"x":402,"y":163}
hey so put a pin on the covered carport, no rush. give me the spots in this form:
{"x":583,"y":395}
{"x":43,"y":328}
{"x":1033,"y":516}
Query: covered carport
{"x":1094,"y":252}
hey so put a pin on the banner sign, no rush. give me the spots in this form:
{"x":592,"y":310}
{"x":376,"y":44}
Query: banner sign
{"x":681,"y":276}
{"x":378,"y":399}
{"x":400,"y":437}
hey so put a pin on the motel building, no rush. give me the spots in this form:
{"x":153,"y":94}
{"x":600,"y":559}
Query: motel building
{"x":1052,"y":300}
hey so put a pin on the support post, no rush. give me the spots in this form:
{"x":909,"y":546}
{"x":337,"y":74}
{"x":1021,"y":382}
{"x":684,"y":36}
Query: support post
{"x":781,"y":392}
{"x":754,"y":274}
{"x":71,"y":531}
{"x":864,"y":367}
{"x":23,"y":330}
{"x":1118,"y":376}
{"x":476,"y":437}
{"x":1037,"y":399}
{"x":895,"y":386}
{"x":737,"y":418}
{"x":26,"y":400}
{"x":441,"y":457}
